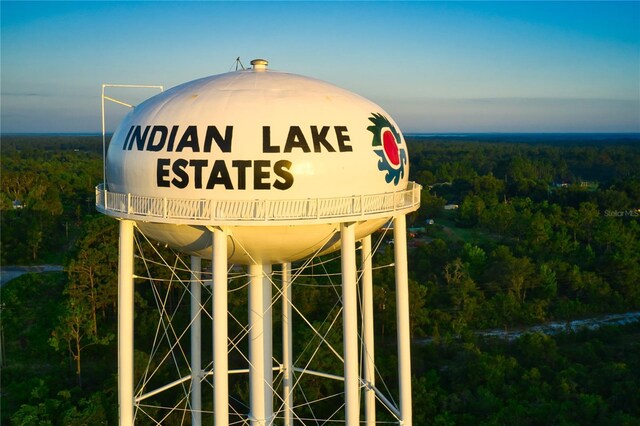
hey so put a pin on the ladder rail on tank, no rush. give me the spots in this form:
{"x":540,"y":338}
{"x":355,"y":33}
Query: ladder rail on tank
{"x":106,"y":98}
{"x":274,"y":212}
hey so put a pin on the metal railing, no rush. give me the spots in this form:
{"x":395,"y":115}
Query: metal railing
{"x":234,"y":212}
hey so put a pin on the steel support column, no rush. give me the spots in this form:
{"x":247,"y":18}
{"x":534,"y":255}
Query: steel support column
{"x":126,"y":401}
{"x":267,"y":300}
{"x":369,"y":373}
{"x":402,"y":318}
{"x":350,"y":324}
{"x":196,"y":340}
{"x":220,"y":330}
{"x":287,"y":346}
{"x":260,"y":392}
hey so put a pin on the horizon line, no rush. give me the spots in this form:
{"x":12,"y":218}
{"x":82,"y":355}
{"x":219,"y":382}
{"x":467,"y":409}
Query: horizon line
{"x":421,"y":133}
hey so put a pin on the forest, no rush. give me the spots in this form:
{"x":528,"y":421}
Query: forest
{"x":513,"y":231}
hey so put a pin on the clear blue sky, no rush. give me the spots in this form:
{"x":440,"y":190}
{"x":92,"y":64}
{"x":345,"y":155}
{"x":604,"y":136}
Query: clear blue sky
{"x":434,"y":66}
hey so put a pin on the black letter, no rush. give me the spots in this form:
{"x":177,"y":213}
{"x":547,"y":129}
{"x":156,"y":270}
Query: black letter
{"x":295,"y":139}
{"x":223,"y":144}
{"x":259,"y":175}
{"x":241,"y":165}
{"x":219,"y":174}
{"x":138,"y":138}
{"x":162,"y":172}
{"x":320,"y":138}
{"x":189,"y":139}
{"x":197,"y":166}
{"x":172,"y":138}
{"x":281,"y":169}
{"x":342,"y":138}
{"x":127,"y":138}
{"x":179,"y":170}
{"x":266,"y":140}
{"x":163,"y":132}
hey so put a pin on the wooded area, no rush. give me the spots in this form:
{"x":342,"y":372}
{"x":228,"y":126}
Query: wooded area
{"x":543,"y":230}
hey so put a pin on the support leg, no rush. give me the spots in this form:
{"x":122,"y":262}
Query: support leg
{"x":257,"y":416}
{"x":220,"y":330}
{"x":350,"y":324}
{"x":196,"y":341}
{"x":125,"y":324}
{"x":287,"y":347}
{"x":369,"y":372}
{"x":402,"y":318}
{"x":268,"y":343}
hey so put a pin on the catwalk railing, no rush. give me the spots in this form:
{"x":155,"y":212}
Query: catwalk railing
{"x":230,"y":212}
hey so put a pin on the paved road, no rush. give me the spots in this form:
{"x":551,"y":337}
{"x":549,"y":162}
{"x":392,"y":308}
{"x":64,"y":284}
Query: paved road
{"x":552,"y":328}
{"x":7,"y":273}
{"x":567,"y":326}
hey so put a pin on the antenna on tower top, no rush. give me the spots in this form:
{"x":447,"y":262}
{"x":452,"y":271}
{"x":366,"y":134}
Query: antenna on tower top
{"x":238,"y":63}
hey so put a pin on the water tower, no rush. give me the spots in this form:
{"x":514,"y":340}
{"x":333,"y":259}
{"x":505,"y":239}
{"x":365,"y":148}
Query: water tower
{"x":262,"y":169}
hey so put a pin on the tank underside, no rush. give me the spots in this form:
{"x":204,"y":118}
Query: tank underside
{"x":247,"y":245}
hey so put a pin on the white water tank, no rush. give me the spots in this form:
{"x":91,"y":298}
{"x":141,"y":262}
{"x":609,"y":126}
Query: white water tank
{"x":277,"y":159}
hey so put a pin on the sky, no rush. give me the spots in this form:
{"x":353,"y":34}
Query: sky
{"x":435,"y":67}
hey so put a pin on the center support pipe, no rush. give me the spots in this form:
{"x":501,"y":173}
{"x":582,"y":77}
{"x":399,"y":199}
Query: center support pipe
{"x":220,"y":330}
{"x":260,"y":346}
{"x":350,"y":323}
{"x":287,"y":345}
{"x":267,"y":302}
{"x":196,"y":340}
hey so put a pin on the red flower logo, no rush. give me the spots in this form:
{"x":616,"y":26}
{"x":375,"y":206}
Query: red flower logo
{"x":386,"y":145}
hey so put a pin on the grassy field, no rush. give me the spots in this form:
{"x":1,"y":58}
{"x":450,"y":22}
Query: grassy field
{"x":445,"y":228}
